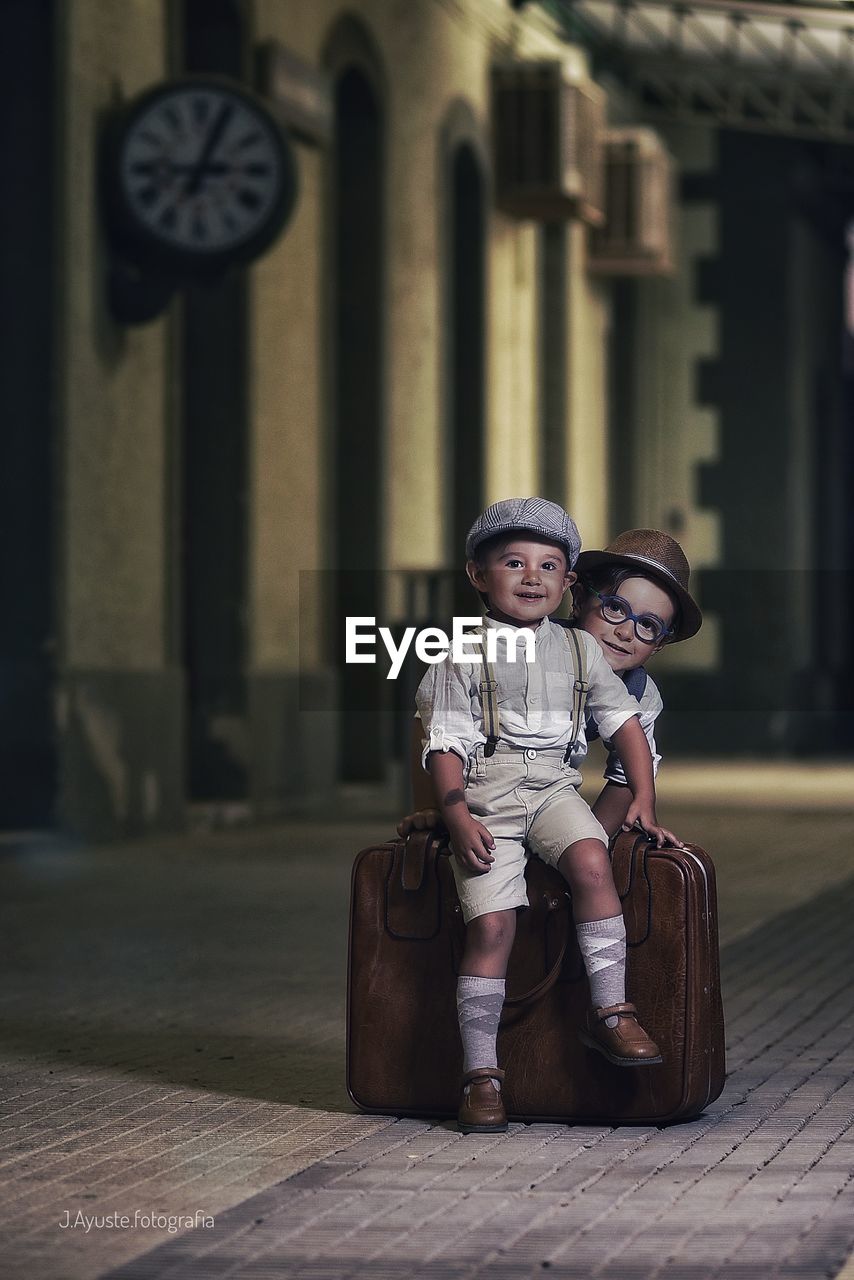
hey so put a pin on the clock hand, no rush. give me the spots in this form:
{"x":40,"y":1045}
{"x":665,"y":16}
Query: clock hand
{"x":195,"y":179}
{"x":217,"y":168}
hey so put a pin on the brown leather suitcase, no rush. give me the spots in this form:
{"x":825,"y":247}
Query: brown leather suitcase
{"x":404,"y":1055}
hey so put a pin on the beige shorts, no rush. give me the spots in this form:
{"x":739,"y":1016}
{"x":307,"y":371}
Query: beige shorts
{"x":529,"y":802}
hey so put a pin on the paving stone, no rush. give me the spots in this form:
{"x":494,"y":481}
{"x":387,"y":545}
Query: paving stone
{"x":205,"y":1072}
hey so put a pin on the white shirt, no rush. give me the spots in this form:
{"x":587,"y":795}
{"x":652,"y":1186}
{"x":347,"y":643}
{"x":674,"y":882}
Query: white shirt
{"x":651,"y":707}
{"x":534,"y":699}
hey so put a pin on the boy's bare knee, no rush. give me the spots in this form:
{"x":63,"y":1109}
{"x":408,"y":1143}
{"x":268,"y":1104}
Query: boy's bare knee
{"x":585,"y":864}
{"x":492,"y":931}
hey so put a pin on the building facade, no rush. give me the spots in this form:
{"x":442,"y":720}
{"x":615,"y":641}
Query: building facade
{"x":197,"y":502}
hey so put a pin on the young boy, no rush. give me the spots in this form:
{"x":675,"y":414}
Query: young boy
{"x":520,"y":557}
{"x":633,"y":598}
{"x":631,"y":565}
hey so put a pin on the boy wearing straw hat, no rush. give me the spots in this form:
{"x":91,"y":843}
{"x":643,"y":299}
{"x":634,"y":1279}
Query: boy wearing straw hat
{"x":633,"y":598}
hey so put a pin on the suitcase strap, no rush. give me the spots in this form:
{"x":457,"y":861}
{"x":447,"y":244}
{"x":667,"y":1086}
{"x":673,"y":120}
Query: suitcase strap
{"x":542,"y":987}
{"x":432,"y":842}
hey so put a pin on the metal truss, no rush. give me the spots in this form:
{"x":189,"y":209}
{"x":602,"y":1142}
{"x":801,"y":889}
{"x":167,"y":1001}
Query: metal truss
{"x":779,"y":68}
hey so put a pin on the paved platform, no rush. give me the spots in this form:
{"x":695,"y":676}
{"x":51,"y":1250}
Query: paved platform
{"x":172,"y":1046}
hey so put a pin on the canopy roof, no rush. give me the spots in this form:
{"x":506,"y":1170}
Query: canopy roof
{"x":785,"y":68}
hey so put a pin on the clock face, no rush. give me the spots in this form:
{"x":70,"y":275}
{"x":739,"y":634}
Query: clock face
{"x":203,"y":172}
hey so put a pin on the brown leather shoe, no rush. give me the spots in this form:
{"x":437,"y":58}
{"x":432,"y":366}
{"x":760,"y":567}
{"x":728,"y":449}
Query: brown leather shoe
{"x":481,"y":1109}
{"x":627,"y":1044}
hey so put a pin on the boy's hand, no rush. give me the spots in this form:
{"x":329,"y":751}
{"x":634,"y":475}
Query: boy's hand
{"x":642,"y":815}
{"x":471,"y":843}
{"x":421,"y":820}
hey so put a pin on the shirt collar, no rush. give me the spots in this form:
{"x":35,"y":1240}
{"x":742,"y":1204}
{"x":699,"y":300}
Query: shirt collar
{"x":539,"y":631}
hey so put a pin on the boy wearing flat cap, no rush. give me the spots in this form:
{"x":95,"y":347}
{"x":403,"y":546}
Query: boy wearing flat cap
{"x":498,"y":746}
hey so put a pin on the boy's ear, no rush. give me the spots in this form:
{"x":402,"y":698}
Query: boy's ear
{"x":570,"y":577}
{"x":656,"y":648}
{"x":475,"y":575}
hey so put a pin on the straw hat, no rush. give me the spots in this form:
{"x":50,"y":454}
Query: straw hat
{"x":656,"y":555}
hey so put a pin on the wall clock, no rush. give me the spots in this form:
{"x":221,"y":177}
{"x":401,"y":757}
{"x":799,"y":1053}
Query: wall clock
{"x":198,"y":175}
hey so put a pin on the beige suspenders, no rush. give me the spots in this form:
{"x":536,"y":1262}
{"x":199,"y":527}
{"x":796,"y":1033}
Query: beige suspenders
{"x":488,"y":698}
{"x":580,"y":689}
{"x":488,"y":688}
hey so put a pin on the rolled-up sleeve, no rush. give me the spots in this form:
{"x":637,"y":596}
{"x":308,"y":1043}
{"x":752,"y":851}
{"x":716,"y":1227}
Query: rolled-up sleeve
{"x":608,"y":700}
{"x":444,"y":702}
{"x":650,"y":707}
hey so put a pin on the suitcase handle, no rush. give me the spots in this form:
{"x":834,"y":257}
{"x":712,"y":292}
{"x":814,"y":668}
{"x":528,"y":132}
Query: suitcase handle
{"x":416,"y":853}
{"x":421,"y":850}
{"x":543,"y":986}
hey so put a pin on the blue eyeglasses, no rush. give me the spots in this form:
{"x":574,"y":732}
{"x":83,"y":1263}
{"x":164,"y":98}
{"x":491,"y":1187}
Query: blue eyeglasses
{"x":649,"y":628}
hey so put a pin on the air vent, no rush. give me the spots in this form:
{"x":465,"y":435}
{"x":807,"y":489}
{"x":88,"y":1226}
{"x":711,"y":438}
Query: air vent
{"x":547,"y":122}
{"x":637,"y":236}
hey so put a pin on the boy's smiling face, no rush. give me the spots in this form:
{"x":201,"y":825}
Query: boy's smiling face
{"x":525,"y":579}
{"x":617,"y":640}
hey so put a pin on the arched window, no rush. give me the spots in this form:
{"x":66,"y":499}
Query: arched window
{"x":466,"y":398}
{"x":28,"y":758}
{"x":214,"y":468}
{"x":355,"y":388}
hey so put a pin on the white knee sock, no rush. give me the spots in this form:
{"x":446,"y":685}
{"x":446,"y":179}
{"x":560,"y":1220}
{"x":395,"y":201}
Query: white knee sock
{"x":603,"y":946}
{"x":479,"y":1005}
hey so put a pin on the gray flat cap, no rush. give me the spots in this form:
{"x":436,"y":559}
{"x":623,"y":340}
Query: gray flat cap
{"x":536,"y":515}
